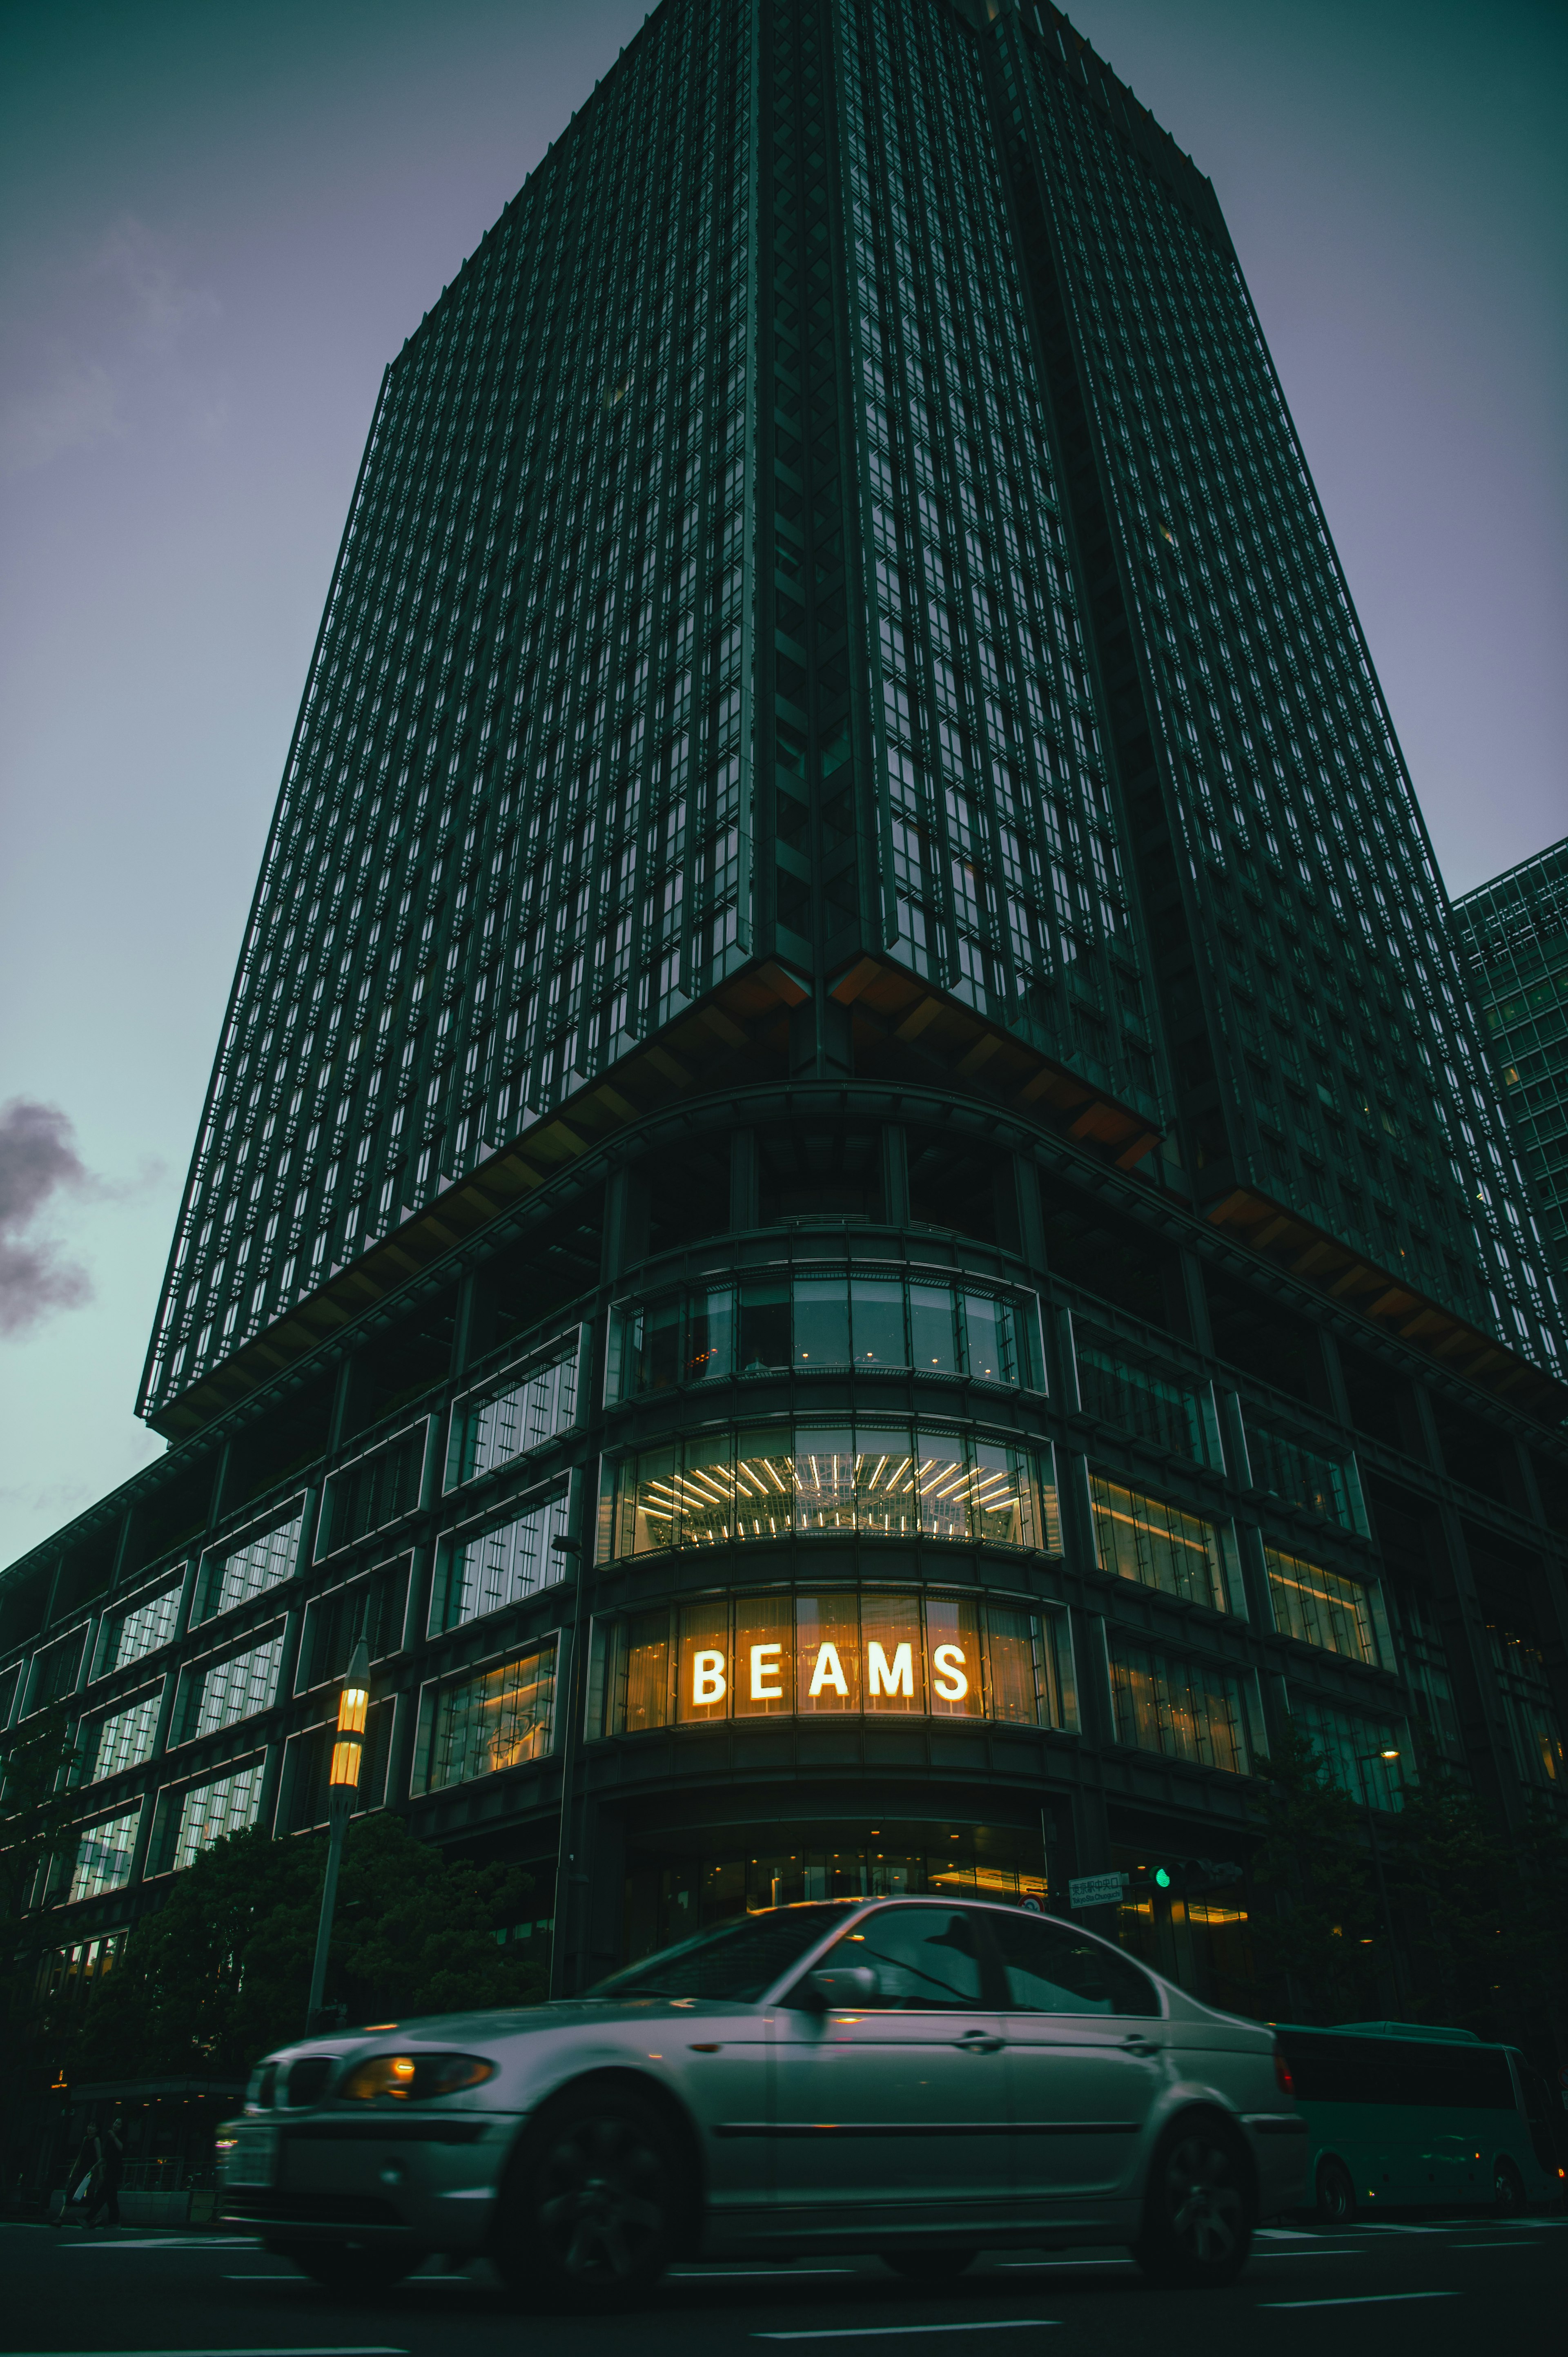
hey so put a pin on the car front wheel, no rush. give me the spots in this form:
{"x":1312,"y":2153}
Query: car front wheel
{"x":595,"y":2203}
{"x":1198,"y":2210}
{"x":1507,"y":2190}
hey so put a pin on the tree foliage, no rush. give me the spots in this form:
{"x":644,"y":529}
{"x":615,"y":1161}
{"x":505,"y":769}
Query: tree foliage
{"x":221,"y":1971}
{"x":1317,"y":1934}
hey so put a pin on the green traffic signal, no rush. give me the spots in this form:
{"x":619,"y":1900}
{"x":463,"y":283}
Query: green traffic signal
{"x":1161,"y":1878}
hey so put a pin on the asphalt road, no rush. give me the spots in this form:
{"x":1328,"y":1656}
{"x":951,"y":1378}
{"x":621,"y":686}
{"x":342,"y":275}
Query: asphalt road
{"x":1440,"y":2285}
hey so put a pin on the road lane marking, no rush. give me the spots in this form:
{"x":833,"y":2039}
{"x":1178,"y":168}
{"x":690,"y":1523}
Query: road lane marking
{"x":181,"y":2242}
{"x":888,"y":2331}
{"x":1488,"y":2246}
{"x":1360,"y":2299}
{"x":1064,"y":2262}
{"x":753,"y":2274}
{"x":1285,"y":2235}
{"x":337,"y":2348}
{"x":1309,"y":2254}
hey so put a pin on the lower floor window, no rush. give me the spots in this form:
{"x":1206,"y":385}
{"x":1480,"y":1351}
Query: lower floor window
{"x":499,"y":1717}
{"x":103,"y":1855}
{"x":782,"y":1655}
{"x":1181,"y":1708}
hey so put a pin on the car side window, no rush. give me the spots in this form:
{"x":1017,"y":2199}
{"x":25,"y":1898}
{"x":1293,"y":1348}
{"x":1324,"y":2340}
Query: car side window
{"x":1051,"y":1968}
{"x":925,"y":1959}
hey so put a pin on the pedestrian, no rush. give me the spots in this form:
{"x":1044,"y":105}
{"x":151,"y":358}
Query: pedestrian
{"x":109,"y":2168}
{"x":81,"y":2181}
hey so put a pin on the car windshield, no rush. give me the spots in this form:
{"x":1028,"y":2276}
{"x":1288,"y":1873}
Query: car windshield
{"x":735,"y":1961}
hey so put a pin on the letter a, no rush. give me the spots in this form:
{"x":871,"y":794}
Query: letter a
{"x":829,"y":1671}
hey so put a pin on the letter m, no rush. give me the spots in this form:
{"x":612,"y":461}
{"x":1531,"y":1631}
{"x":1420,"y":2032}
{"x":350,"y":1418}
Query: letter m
{"x":897,"y":1677}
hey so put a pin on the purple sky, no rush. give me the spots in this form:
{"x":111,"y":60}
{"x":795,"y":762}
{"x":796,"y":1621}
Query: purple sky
{"x":218,"y":224}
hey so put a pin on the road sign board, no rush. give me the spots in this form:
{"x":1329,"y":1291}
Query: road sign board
{"x":1096,"y":1889}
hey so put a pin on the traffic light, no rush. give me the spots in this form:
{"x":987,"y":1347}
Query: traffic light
{"x":1183,"y":1877}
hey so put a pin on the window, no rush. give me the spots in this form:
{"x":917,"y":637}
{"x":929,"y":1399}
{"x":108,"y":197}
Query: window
{"x":1351,"y":1748}
{"x":204,"y":1814}
{"x":1320,"y":1607}
{"x":822,"y":1321}
{"x":143,"y":1629}
{"x":479,"y":1725}
{"x":103,"y":1855}
{"x":262,"y":1563}
{"x":761,"y":1655}
{"x":1181,"y":1708}
{"x":1051,"y":1969}
{"x":1159,"y":1402}
{"x":371,"y":1606}
{"x":514,"y":1560}
{"x":123,"y":1740}
{"x":1529,"y":1708}
{"x":1306,"y":1477}
{"x":227,"y":1691}
{"x":492,"y":1425}
{"x":889,"y":1479}
{"x":1163,"y":1546}
{"x":922,"y":1959}
{"x":377,"y":1489}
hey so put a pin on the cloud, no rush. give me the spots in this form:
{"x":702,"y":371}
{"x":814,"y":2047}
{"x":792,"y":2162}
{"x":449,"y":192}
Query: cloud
{"x":39,"y":1162}
{"x":114,"y":340}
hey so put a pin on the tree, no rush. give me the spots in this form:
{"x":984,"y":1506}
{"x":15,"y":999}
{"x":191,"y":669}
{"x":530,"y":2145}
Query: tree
{"x":221,"y":1971}
{"x":1316,"y":1937}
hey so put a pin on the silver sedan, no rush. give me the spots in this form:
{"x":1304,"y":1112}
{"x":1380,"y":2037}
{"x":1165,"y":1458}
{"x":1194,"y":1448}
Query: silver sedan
{"x":921,"y":2078}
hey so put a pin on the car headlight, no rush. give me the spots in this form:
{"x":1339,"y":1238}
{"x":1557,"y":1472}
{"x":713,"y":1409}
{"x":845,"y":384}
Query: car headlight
{"x":415,"y":2078}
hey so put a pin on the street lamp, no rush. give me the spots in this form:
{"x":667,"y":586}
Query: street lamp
{"x":342,"y":1788}
{"x":1365,"y":1759}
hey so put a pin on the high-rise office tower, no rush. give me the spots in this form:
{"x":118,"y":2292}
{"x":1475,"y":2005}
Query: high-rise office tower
{"x":851,"y":1197}
{"x":1514,"y":935}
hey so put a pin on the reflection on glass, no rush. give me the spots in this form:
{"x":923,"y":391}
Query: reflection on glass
{"x":819,"y":1319}
{"x":769,"y":1655}
{"x":763,"y":1482}
{"x":703,"y":1663}
{"x":1158,"y":1544}
{"x":931,"y":1346}
{"x":952,"y":1635}
{"x":878,"y":1310}
{"x":1181,"y":1708}
{"x":822,"y":1321}
{"x":827,"y":1652}
{"x":710,"y":1343}
{"x":764,"y":1328}
{"x":763,"y":1657}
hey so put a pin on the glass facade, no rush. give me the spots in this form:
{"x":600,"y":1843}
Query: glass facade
{"x":1180,"y":1707}
{"x":774,"y":1655}
{"x":1513,"y":934}
{"x":882,"y":1480}
{"x":1161,"y":1545}
{"x":499,"y":1719}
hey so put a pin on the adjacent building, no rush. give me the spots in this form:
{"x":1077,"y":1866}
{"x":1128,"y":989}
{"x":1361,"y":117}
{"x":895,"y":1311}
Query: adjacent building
{"x":852,"y":1199}
{"x":1513,"y":934}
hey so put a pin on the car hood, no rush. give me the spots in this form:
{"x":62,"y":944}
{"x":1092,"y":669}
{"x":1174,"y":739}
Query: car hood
{"x":503,"y":2024}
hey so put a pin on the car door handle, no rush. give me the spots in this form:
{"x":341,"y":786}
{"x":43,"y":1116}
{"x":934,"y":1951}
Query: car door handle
{"x":979,"y":2041}
{"x":1143,"y":2046}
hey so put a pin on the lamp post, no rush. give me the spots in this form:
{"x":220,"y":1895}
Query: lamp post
{"x":1364,"y":1758}
{"x":343,"y":1786}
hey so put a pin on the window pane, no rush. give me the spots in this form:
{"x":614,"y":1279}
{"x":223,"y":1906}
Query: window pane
{"x":931,"y":1328}
{"x":879,"y":1305}
{"x":895,"y":1656}
{"x":886,"y":1494}
{"x":824,"y":1478}
{"x":764,"y":1328}
{"x":1015,"y":1667}
{"x":660,"y":1364}
{"x":763,"y":1657}
{"x":1053,"y":1970}
{"x":644,"y":1673}
{"x":650,"y":1520}
{"x":1002,"y":1495}
{"x":988,"y":1338}
{"x":925,"y":1959}
{"x":945,"y":1485}
{"x":710,"y":1342}
{"x":706,"y":1488}
{"x":494,"y":1721}
{"x":827,"y":1652}
{"x":764,"y":1483}
{"x":1158,"y":1544}
{"x":822,"y":1321}
{"x":1320,"y":1607}
{"x":953,"y":1656}
{"x":703,"y":1681}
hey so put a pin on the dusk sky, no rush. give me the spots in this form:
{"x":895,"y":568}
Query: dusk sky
{"x":218,"y":224}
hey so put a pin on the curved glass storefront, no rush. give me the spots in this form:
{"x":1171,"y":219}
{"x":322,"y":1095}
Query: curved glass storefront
{"x":775,"y":1481}
{"x":782,"y":1655}
{"x":810,"y":1321}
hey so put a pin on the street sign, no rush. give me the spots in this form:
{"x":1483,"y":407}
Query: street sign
{"x":1096,"y":1889}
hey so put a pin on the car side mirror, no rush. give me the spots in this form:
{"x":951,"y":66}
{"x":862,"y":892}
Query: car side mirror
{"x":841,"y":1985}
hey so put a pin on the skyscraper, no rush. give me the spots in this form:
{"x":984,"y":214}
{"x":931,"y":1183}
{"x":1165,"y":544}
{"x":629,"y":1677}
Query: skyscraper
{"x":1514,"y":935}
{"x":851,"y":1197}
